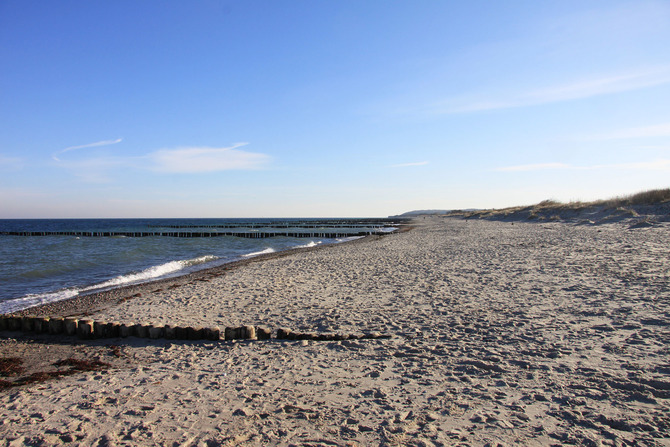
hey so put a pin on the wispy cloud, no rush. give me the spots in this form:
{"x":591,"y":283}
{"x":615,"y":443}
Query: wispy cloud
{"x":206,"y":159}
{"x":84,"y":146}
{"x":579,"y":89}
{"x":656,"y":165}
{"x":184,"y":160}
{"x":406,"y":165}
{"x":658,"y":130}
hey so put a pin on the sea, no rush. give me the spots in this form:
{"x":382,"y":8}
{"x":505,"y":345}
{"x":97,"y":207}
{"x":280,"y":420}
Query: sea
{"x":47,"y":260}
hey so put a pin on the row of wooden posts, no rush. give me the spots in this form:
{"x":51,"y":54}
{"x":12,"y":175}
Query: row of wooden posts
{"x":89,"y":329}
{"x":192,"y":234}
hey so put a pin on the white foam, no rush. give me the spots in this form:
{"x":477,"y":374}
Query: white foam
{"x":257,"y":253}
{"x":348,"y":239}
{"x":143,"y":276}
{"x":308,"y":245}
{"x":28,"y":301}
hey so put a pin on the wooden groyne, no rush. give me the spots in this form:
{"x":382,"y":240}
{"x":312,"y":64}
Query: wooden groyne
{"x":190,"y":234}
{"x":317,"y":224}
{"x":87,"y":329}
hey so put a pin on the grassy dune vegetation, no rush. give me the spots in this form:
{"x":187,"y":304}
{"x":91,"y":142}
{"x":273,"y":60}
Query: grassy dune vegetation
{"x":649,"y":206}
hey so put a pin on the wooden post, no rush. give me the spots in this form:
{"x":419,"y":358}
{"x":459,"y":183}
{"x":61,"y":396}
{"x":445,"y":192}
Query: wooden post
{"x":249,"y":332}
{"x":125,"y":330}
{"x":263,"y":332}
{"x":230,"y":333}
{"x":27,"y":324}
{"x":194,"y":333}
{"x":283,"y":333}
{"x":100,"y":329}
{"x":55,"y":325}
{"x":85,"y":329}
{"x":41,"y":324}
{"x":114,"y":329}
{"x":155,"y":332}
{"x":212,"y":333}
{"x":71,"y":326}
{"x":170,"y":332}
{"x":141,"y":330}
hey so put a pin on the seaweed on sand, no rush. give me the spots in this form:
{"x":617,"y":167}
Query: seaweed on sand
{"x":14,"y":366}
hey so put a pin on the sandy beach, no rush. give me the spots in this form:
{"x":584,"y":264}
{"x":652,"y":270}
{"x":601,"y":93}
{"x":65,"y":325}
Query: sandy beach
{"x":502,"y":333}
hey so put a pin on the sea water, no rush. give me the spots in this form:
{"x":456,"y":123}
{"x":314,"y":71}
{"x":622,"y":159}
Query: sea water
{"x":41,"y":269}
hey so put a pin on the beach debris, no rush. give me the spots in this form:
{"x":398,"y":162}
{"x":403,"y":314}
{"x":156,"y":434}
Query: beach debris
{"x":13,"y":366}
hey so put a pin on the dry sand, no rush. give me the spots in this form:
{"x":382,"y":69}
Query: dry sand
{"x":503,"y":333}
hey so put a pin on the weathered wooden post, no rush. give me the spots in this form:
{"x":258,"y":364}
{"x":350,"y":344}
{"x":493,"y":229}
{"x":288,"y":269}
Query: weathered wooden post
{"x":85,"y":329}
{"x":263,"y":332}
{"x":71,"y":326}
{"x":41,"y":324}
{"x":170,"y":332}
{"x":125,"y":330}
{"x":55,"y":325}
{"x":27,"y":324}
{"x":249,"y":332}
{"x":155,"y":332}
{"x":212,"y":333}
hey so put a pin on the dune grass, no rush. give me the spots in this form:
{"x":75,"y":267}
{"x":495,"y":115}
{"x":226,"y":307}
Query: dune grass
{"x":651,"y":197}
{"x":552,"y":209}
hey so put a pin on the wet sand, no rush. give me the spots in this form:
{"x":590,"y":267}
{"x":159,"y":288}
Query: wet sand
{"x":503,"y":333}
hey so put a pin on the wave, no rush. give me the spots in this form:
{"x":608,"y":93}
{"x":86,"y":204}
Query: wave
{"x":158,"y":271}
{"x":151,"y":273}
{"x":262,"y":252}
{"x":308,"y":245}
{"x":348,"y":239}
{"x":28,"y":301}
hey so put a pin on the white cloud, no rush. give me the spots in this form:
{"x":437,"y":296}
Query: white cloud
{"x":206,"y":159}
{"x":83,"y":146}
{"x":185,"y":160}
{"x":405,"y":165}
{"x":656,"y":165}
{"x":580,"y":89}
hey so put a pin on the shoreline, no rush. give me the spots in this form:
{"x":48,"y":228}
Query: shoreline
{"x":511,"y":333}
{"x":82,"y":305}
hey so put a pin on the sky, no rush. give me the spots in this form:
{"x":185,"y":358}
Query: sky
{"x":329,"y":108}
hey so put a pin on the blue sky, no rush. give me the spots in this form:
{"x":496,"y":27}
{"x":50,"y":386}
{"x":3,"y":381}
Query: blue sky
{"x":214,"y":108}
